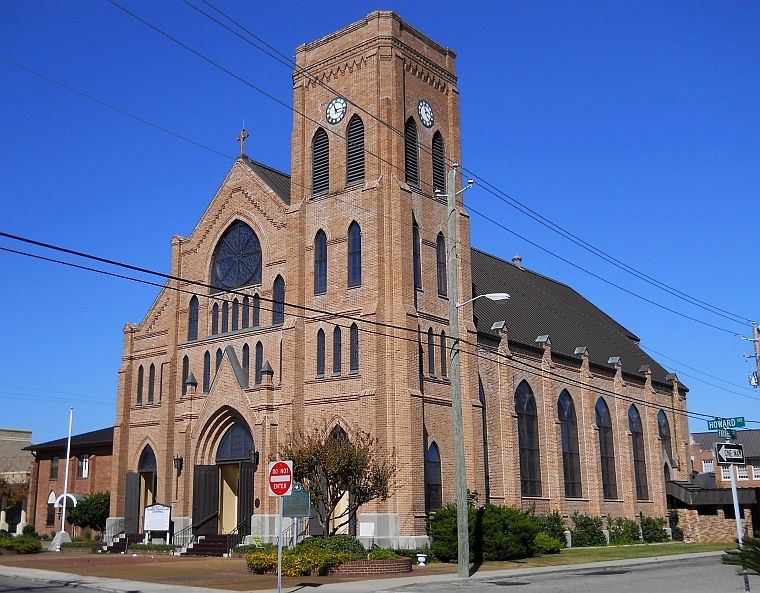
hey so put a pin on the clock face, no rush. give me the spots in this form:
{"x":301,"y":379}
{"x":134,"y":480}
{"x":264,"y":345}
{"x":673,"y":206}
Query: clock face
{"x":426,"y":113}
{"x":336,"y":110}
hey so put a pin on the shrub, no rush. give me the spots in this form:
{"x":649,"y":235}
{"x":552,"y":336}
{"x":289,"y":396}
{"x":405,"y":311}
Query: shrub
{"x":675,"y":530}
{"x":262,"y":560}
{"x":503,"y":533}
{"x":552,"y":525}
{"x":546,"y":544}
{"x":653,"y":529}
{"x":4,"y":534}
{"x":297,"y":562}
{"x":623,"y":531}
{"x":442,"y":529}
{"x":26,"y":544}
{"x":381,"y":554}
{"x":587,"y":531}
{"x":248,"y":548}
{"x":79,"y":545}
{"x":335,"y":543}
{"x":28,"y":529}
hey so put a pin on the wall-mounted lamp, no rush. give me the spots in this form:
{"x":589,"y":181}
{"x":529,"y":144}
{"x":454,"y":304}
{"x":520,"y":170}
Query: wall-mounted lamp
{"x":178,"y":463}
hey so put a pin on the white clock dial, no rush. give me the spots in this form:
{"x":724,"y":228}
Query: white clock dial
{"x":426,"y":113}
{"x":336,"y":110}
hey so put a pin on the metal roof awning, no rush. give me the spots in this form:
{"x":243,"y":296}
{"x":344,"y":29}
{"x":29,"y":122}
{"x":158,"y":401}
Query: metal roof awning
{"x":692,"y":495}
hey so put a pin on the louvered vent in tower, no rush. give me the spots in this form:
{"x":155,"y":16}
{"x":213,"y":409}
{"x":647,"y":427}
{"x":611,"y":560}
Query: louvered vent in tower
{"x":355,"y":151}
{"x":411,"y":155}
{"x":439,"y":168}
{"x":320,"y":163}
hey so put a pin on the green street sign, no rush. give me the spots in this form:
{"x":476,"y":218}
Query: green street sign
{"x":726,"y":433}
{"x":719,"y":423}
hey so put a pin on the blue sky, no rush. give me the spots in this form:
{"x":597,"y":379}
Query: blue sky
{"x":633,"y":125}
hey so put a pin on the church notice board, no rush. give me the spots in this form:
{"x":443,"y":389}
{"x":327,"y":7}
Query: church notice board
{"x":157,"y":517}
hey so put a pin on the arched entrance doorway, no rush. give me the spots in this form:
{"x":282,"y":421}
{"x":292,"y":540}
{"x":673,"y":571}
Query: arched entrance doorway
{"x":223,"y":492}
{"x":140,"y":491}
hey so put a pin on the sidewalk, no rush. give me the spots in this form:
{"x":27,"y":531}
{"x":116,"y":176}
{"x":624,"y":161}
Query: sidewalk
{"x":226,"y":577}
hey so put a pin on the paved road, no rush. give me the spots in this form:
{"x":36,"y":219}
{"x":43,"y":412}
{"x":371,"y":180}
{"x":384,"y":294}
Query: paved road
{"x":703,"y":575}
{"x":16,"y":585}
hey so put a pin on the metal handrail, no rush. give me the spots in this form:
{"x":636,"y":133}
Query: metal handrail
{"x":113,"y":531}
{"x":234,"y":536}
{"x":184,"y":537}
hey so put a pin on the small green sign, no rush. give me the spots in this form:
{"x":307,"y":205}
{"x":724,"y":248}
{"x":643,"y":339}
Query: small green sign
{"x":726,"y":433}
{"x":719,"y":423}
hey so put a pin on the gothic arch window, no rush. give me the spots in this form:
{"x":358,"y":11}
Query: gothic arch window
{"x":663,"y":428}
{"x":320,"y":262}
{"x":256,"y":313}
{"x":527,"y":434}
{"x":320,"y":353}
{"x":416,"y":262}
{"x":246,"y":312}
{"x":637,"y":448}
{"x":206,"y":371}
{"x":140,"y":381}
{"x":215,"y":319}
{"x":192,"y":319}
{"x":218,"y":359}
{"x":433,"y":497}
{"x":151,"y":383}
{"x":278,"y":306}
{"x":606,"y":449}
{"x":431,"y":353}
{"x":236,"y":444}
{"x":147,"y":461}
{"x":185,"y":373}
{"x":338,"y":434}
{"x":353,"y":359}
{"x":235,"y":314}
{"x":439,"y":164}
{"x":411,"y":154}
{"x":571,"y":459}
{"x":320,"y":163}
{"x":237,"y":259}
{"x":225,"y":317}
{"x":354,"y":255}
{"x":259,"y":361}
{"x":444,"y":355}
{"x":246,"y":361}
{"x":354,"y":151}
{"x":440,"y":259}
{"x":337,"y":347}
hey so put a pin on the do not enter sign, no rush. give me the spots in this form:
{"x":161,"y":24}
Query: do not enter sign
{"x":280,"y":478}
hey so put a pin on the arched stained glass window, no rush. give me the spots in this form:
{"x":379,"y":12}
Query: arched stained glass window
{"x":151,"y":383}
{"x":185,"y":373}
{"x":411,"y":154}
{"x":225,"y":317}
{"x":433,"y":495}
{"x":444,"y":355}
{"x":206,"y":372}
{"x":431,"y":353}
{"x":320,"y":353}
{"x":235,"y":314}
{"x":237,"y":258}
{"x":606,"y":449}
{"x":215,"y":319}
{"x":571,"y":459}
{"x":353,"y":364}
{"x":354,"y":151}
{"x":140,"y":381}
{"x":637,"y":448}
{"x":439,"y":165}
{"x":259,"y":361}
{"x":278,"y":296}
{"x":256,"y":313}
{"x":320,"y":163}
{"x":337,"y":348}
{"x":527,"y":434}
{"x":236,"y":445}
{"x":440,"y":258}
{"x":320,"y":262}
{"x":354,"y":255}
{"x":192,"y":319}
{"x":416,"y":262}
{"x":663,"y":428}
{"x":246,"y":321}
{"x":147,"y":462}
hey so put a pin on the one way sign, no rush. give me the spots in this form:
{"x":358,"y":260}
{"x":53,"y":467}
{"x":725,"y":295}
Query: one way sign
{"x":728,"y":453}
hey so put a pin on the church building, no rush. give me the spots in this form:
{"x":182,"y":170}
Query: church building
{"x":320,"y":298}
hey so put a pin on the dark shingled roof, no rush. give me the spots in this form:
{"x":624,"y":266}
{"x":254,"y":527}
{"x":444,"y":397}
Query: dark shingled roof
{"x":104,"y":436}
{"x":278,"y":181}
{"x":540,"y":306}
{"x":749,"y":438}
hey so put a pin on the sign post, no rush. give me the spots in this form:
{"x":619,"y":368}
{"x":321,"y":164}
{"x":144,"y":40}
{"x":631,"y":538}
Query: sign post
{"x":279,"y":484}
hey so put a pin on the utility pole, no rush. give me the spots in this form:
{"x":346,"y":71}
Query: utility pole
{"x":460,"y":469}
{"x":756,"y":342}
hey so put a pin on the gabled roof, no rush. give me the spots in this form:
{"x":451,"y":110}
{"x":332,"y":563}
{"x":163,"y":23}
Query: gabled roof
{"x":541,"y":306}
{"x":278,"y":181}
{"x":749,"y":438}
{"x":104,"y":436}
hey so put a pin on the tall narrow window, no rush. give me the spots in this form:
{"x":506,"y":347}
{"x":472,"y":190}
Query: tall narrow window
{"x":225,"y":317}
{"x":663,"y":427}
{"x":416,"y":263}
{"x":637,"y":448}
{"x":439,"y":167}
{"x":440,"y":258}
{"x":320,"y":353}
{"x":83,"y":466}
{"x":151,"y":382}
{"x":278,"y":306}
{"x":206,"y":372}
{"x":354,"y":151}
{"x":140,"y":380}
{"x":411,"y":154}
{"x":246,"y":321}
{"x":354,"y":255}
{"x":433,"y":497}
{"x":571,"y":459}
{"x":320,"y":163}
{"x":54,"y":463}
{"x":337,"y":348}
{"x":256,"y":313}
{"x":444,"y":355}
{"x":192,"y":319}
{"x":353,"y":363}
{"x":259,"y":361}
{"x":431,"y":353}
{"x":185,"y":373}
{"x":215,"y":319}
{"x":218,"y":359}
{"x":235,"y":314}
{"x":320,"y":263}
{"x":527,"y":434}
{"x":606,"y":450}
{"x":246,"y":361}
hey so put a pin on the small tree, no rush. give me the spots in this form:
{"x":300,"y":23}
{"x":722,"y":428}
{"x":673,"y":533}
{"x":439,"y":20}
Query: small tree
{"x":12,"y":493}
{"x":91,"y":512}
{"x":331,"y":465}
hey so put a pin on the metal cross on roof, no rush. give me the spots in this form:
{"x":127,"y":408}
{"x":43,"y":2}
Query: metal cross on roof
{"x":242,"y":138}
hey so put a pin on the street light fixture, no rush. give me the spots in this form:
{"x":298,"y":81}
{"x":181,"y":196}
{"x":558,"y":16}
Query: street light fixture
{"x":493,"y":296}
